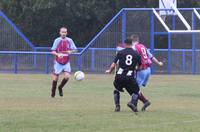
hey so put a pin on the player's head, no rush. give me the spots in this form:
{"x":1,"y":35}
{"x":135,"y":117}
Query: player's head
{"x":63,"y":32}
{"x":135,"y":38}
{"x":128,"y":43}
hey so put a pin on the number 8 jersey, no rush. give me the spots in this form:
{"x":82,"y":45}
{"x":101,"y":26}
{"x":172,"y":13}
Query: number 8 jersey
{"x":127,"y":60}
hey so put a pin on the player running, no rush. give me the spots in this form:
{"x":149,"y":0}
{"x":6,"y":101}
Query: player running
{"x":144,"y":70}
{"x":62,"y":47}
{"x":127,"y":60}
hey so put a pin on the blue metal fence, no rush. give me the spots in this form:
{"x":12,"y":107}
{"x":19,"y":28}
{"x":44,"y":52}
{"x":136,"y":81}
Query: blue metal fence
{"x":181,"y":54}
{"x":77,"y":64}
{"x":14,"y":38}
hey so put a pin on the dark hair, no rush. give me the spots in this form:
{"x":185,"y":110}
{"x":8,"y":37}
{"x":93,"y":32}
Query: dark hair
{"x":128,"y":41}
{"x":134,"y":37}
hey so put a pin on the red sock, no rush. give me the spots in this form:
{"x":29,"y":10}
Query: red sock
{"x":62,"y":84}
{"x":142,"y":98}
{"x":53,"y":89}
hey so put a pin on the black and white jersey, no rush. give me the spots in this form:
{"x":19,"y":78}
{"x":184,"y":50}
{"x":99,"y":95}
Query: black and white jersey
{"x":127,"y":60}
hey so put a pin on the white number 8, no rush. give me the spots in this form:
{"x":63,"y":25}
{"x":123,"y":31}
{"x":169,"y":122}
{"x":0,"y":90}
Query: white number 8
{"x":129,"y":60}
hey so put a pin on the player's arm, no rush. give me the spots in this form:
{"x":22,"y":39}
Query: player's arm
{"x":113,"y":65}
{"x":54,"y":53}
{"x":70,"y":51}
{"x":53,"y":49}
{"x":154,"y":59}
{"x":159,"y":63}
{"x":60,"y":55}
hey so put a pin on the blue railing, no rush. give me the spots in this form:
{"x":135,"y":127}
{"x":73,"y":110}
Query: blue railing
{"x":16,"y":55}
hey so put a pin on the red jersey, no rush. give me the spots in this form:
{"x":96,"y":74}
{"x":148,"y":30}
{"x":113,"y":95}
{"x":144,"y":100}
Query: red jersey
{"x":146,"y":56}
{"x":61,"y":45}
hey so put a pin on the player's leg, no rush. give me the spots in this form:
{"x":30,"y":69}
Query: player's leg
{"x":145,"y":101}
{"x":142,"y":79}
{"x":57,"y":71}
{"x":142,"y":98}
{"x":116,"y":93}
{"x":147,"y":73}
{"x":63,"y":82}
{"x":139,"y":78}
{"x":133,"y":90}
{"x":54,"y":85}
{"x":67,"y":70}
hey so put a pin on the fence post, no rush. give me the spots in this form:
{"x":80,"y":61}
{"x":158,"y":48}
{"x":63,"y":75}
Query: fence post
{"x":123,"y":26}
{"x":15,"y":60}
{"x":93,"y":59}
{"x":169,"y":54}
{"x":183,"y":62}
{"x":79,"y":62}
{"x":35,"y":58}
{"x":193,"y":44}
{"x":47,"y":63}
{"x":152,"y":44}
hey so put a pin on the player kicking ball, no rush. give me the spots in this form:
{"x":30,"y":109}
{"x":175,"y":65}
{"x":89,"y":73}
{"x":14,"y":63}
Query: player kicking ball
{"x":144,"y":71}
{"x":62,"y":47}
{"x":127,"y":60}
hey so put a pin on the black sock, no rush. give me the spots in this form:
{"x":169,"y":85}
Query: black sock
{"x":62,"y":84}
{"x":134,"y":99}
{"x":116,"y":97}
{"x":136,"y":103}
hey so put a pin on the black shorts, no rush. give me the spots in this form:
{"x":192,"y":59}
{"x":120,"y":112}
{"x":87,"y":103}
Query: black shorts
{"x":129,"y":83}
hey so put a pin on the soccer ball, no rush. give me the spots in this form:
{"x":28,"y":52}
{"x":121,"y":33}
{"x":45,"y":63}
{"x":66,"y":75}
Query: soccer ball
{"x":79,"y":76}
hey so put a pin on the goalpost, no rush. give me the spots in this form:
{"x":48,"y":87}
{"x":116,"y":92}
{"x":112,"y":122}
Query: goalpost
{"x":187,"y":29}
{"x":169,"y":7}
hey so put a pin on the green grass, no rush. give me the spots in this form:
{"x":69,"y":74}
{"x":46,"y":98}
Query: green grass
{"x":87,"y":106}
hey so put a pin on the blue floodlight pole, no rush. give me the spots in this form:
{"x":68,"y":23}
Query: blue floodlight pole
{"x":193,"y":44}
{"x":152,"y":34}
{"x":169,"y":54}
{"x":123,"y":25}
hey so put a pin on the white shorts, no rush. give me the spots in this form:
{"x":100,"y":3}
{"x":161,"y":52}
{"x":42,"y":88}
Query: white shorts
{"x":59,"y":68}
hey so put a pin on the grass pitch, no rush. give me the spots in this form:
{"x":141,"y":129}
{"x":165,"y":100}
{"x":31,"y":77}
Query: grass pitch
{"x":87,"y":106}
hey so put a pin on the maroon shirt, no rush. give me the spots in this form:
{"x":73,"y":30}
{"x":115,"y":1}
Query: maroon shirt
{"x":61,"y":45}
{"x":146,"y":56}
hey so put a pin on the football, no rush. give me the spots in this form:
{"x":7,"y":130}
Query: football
{"x":79,"y":75}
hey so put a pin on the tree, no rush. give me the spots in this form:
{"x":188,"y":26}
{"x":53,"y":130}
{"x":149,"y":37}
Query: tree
{"x":41,"y":19}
